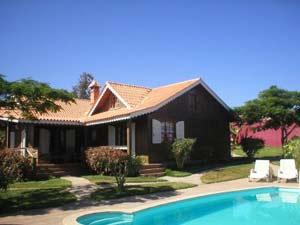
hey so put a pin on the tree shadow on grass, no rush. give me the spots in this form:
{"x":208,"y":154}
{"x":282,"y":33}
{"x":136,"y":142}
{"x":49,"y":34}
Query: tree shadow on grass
{"x":17,"y":200}
{"x":42,"y":201}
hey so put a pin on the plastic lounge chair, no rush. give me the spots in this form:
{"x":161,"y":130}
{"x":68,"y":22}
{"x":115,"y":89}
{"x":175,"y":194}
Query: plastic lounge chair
{"x":261,"y":170}
{"x":287,"y":170}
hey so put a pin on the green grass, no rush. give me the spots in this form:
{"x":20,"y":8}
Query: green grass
{"x":177,"y":173}
{"x":227,"y":173}
{"x":35,"y":194}
{"x":51,"y":183}
{"x":262,"y":153}
{"x":100,"y":179}
{"x":111,"y":193}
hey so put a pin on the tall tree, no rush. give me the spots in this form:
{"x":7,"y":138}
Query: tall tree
{"x":274,"y":108}
{"x":81,"y":90}
{"x":31,"y":97}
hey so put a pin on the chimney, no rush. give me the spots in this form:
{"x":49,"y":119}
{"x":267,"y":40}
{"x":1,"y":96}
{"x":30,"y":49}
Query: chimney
{"x":94,"y":92}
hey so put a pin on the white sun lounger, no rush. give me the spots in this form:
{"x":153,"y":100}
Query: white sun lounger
{"x":261,"y":170}
{"x":287,"y":169}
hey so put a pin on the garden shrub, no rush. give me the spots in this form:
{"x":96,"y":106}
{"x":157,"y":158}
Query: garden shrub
{"x":134,"y":166}
{"x":292,"y":150}
{"x":181,"y":149}
{"x":105,"y":160}
{"x":251,"y":145}
{"x":13,"y":167}
{"x":119,"y":165}
{"x":98,"y":160}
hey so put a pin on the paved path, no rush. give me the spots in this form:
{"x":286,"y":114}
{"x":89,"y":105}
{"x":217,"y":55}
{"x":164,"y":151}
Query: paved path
{"x":81,"y":187}
{"x":193,"y":179}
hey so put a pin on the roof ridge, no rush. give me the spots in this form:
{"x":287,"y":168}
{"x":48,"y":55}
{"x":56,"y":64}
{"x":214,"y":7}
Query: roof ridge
{"x":185,"y":81}
{"x":195,"y":79}
{"x":130,"y":85}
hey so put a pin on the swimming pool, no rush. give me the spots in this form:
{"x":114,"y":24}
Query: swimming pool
{"x":262,"y":206}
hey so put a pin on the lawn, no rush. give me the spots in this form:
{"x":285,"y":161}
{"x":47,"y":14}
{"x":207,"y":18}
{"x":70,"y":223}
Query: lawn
{"x":177,"y":173}
{"x":227,"y":173}
{"x":142,"y":189}
{"x":100,"y":179}
{"x":263,"y":153}
{"x":35,"y":194}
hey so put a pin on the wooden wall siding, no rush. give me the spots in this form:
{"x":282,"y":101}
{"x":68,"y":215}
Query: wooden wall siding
{"x":205,"y":120}
{"x":109,"y":102}
{"x":141,"y":135}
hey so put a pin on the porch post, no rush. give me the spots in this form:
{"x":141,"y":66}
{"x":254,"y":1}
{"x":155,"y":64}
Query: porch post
{"x":7,"y":135}
{"x":128,"y":131}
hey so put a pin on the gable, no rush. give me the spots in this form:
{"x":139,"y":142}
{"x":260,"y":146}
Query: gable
{"x":109,"y":101}
{"x":194,"y":103}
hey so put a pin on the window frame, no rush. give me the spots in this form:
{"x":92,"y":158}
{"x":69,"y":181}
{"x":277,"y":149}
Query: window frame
{"x":168,"y":131}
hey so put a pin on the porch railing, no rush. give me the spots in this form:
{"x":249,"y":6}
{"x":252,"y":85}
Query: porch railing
{"x":28,"y":152}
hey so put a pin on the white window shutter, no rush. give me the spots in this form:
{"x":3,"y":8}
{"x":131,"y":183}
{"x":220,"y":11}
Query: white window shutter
{"x":111,"y":135}
{"x":156,"y":132}
{"x":180,"y":129}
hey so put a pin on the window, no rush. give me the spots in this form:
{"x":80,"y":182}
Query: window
{"x":112,"y":102}
{"x":167,"y":131}
{"x":195,"y":102}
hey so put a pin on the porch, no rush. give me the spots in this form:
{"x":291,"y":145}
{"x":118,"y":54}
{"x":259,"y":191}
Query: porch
{"x":57,"y":143}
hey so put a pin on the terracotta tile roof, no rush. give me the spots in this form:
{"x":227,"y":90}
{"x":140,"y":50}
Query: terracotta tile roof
{"x":132,"y":94}
{"x":140,"y":99}
{"x":73,"y":112}
{"x":155,"y":98}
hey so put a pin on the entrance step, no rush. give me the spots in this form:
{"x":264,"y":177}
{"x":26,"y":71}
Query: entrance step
{"x":58,"y":170}
{"x":156,"y":170}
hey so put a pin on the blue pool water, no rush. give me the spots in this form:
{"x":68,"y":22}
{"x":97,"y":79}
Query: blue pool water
{"x":263,"y":206}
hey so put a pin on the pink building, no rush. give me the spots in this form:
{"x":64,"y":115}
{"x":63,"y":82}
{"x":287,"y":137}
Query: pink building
{"x":271,"y":137}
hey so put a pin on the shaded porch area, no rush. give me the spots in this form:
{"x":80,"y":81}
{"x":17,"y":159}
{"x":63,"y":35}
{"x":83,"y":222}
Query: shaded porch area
{"x":116,"y":135}
{"x":55,"y":144}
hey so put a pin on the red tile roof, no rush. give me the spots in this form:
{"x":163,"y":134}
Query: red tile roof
{"x":140,"y":100}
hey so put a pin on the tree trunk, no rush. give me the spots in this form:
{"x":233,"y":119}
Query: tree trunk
{"x":283,"y":136}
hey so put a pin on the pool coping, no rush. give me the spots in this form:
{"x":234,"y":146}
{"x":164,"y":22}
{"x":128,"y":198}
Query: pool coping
{"x":72,"y":219}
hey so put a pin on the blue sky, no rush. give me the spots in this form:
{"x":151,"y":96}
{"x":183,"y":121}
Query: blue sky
{"x":238,"y":47}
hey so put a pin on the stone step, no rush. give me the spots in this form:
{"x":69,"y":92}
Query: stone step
{"x":154,"y":165}
{"x":51,"y":169}
{"x":62,"y":165}
{"x":156,"y":170}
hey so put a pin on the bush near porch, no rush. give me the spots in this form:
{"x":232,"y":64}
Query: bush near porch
{"x":14,"y":167}
{"x":99,"y":160}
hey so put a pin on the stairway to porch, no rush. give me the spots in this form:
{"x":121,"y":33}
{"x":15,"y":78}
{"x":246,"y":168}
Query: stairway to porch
{"x":155,"y":170}
{"x":46,"y":169}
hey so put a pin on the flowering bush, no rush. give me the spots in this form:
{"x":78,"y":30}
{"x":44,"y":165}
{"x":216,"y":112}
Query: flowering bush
{"x":13,"y":167}
{"x":112,"y":162}
{"x":99,"y":159}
